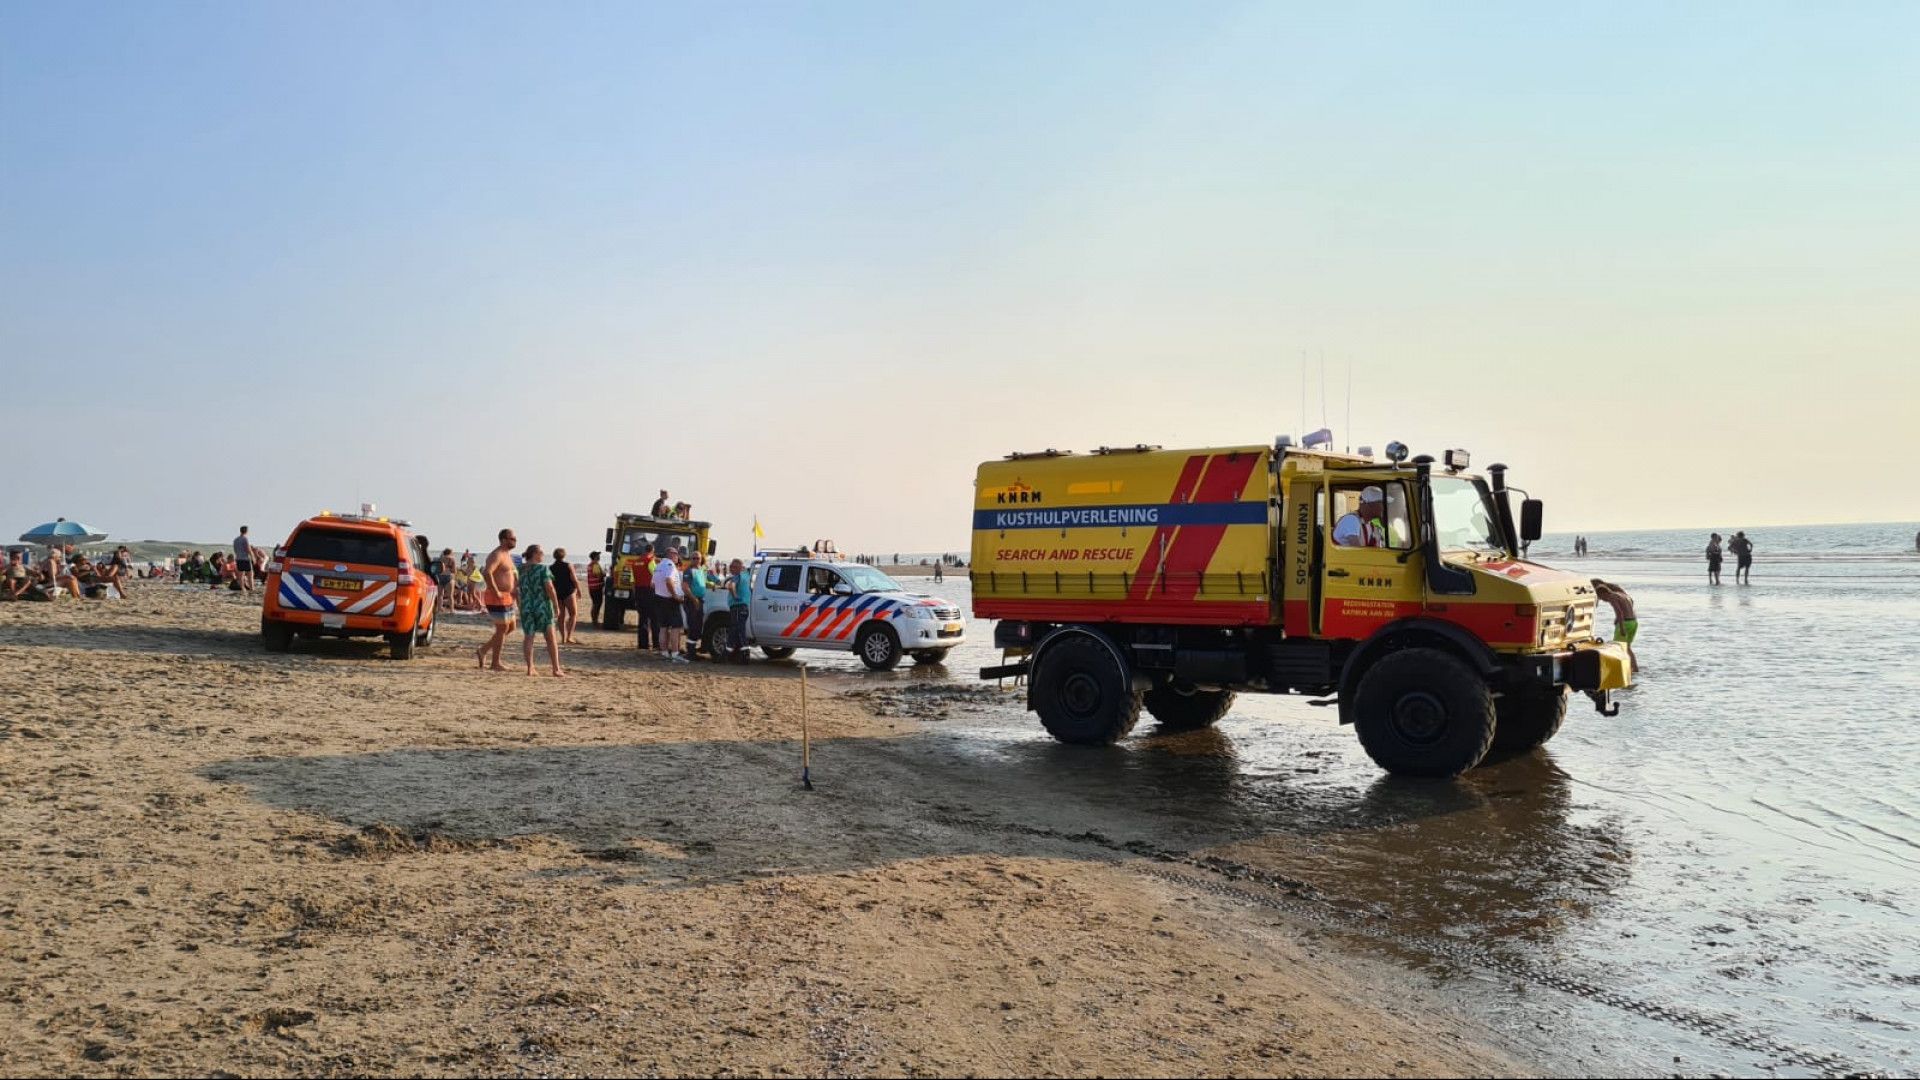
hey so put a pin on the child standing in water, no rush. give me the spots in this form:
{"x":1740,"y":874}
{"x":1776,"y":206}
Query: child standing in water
{"x":1625,"y":624}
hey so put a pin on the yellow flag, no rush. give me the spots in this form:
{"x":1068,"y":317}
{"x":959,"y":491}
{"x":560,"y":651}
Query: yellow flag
{"x":758,"y":534}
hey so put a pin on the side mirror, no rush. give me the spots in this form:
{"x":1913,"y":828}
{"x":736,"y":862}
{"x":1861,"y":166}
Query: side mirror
{"x":712,"y":546}
{"x":609,"y":539}
{"x":843,"y":589}
{"x":1530,"y":513}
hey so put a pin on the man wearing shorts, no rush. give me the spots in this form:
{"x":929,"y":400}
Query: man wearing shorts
{"x":1742,"y":549}
{"x":501,"y":581}
{"x":1625,"y":624}
{"x":669,"y":593}
{"x":443,"y":577}
{"x":243,"y":553}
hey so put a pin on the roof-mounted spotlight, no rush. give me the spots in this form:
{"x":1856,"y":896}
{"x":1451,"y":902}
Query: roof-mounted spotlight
{"x":1396,"y":452}
{"x":1457,"y":460}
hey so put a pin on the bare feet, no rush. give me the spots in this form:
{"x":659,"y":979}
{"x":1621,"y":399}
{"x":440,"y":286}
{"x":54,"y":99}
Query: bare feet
{"x":558,"y":674}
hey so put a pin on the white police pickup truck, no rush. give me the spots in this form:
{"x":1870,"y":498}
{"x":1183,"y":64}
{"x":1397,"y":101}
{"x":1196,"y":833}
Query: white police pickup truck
{"x":819,"y":602}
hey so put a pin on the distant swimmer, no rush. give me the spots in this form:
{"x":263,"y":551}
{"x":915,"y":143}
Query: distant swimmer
{"x":1742,"y":549}
{"x":1366,"y":525}
{"x":1713,"y":560}
{"x":1625,"y":624}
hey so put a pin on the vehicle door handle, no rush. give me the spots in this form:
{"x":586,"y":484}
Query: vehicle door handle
{"x":1336,"y":573}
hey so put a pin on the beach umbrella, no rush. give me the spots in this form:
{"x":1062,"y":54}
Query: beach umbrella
{"x":61,"y":531}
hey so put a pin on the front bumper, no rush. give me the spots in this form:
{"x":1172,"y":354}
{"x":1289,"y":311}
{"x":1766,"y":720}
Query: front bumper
{"x":916,"y":634}
{"x":1596,"y":669}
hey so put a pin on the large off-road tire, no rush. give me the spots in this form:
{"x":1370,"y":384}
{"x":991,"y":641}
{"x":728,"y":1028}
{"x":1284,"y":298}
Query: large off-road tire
{"x":1424,"y":712}
{"x":424,"y":637}
{"x":1083,"y":693}
{"x":930,"y":656}
{"x":278,"y":636}
{"x":878,"y":647}
{"x":401,"y":645}
{"x":717,"y":637}
{"x":613,"y":614}
{"x":1188,"y":708}
{"x":776,"y":652}
{"x":1527,"y":718}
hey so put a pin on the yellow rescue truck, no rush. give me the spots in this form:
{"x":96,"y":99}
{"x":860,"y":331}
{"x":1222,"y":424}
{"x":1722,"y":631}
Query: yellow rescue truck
{"x":1175,"y":578}
{"x":628,"y":542}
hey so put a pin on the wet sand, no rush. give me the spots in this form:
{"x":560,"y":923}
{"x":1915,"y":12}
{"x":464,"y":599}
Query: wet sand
{"x":216,"y":859}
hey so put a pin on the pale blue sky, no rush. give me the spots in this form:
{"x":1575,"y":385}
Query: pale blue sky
{"x":525,"y":264}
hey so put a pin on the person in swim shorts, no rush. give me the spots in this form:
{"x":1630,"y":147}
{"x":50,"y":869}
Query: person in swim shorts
{"x":497,"y":595}
{"x":1625,"y":624}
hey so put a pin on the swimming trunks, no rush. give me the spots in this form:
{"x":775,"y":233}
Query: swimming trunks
{"x":500,"y":613}
{"x":1625,"y":631}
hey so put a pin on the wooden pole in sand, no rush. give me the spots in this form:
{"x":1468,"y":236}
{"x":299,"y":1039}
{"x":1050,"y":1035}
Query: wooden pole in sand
{"x":806,"y":744}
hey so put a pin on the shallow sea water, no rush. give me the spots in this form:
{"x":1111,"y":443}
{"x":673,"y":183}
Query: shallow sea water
{"x":1734,"y":860}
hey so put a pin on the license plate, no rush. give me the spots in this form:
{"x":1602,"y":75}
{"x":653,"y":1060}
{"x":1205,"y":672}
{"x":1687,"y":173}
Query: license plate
{"x":951,"y":628}
{"x":340,"y":584}
{"x":333,"y":622}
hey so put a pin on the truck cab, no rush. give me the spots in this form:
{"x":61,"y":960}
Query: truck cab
{"x":803,"y":600}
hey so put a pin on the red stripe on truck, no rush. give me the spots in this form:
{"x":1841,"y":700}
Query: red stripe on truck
{"x":1150,"y":561}
{"x":1193,"y":549}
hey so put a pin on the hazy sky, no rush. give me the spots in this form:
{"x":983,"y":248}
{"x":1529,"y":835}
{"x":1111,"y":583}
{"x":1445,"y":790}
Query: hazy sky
{"x":525,"y":264}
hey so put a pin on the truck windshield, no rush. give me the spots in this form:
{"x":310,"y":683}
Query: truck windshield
{"x":633,"y":539}
{"x":867,"y":579}
{"x":1463,"y":516}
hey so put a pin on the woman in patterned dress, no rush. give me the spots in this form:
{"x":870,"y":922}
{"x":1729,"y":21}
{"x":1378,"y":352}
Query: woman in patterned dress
{"x":537,"y":604}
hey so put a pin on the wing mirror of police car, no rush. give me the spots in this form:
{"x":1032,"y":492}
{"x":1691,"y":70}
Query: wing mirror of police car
{"x":843,"y":589}
{"x":1531,"y":512}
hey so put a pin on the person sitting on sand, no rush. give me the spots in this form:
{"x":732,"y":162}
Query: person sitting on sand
{"x":18,"y":583}
{"x":1625,"y":623}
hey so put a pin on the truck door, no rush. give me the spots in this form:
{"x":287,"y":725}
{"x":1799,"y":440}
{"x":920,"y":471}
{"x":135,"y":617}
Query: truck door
{"x":777,"y":599}
{"x":1368,"y":577}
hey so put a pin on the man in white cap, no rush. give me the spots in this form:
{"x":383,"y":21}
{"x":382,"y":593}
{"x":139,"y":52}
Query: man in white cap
{"x":1366,"y":526}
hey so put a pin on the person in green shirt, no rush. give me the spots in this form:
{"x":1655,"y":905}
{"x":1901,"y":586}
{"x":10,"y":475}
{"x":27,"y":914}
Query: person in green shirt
{"x":696,"y":580}
{"x":739,"y":604}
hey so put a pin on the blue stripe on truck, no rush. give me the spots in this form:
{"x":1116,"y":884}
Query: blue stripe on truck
{"x":1149,"y":515}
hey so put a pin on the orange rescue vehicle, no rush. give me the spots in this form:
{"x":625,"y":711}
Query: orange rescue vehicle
{"x":350,"y":575}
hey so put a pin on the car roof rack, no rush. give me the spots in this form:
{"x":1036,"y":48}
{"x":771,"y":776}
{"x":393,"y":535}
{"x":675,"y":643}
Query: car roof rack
{"x":1022,"y":455}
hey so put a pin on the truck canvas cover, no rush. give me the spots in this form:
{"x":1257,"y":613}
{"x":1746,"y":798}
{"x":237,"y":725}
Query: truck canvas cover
{"x":1171,"y":536}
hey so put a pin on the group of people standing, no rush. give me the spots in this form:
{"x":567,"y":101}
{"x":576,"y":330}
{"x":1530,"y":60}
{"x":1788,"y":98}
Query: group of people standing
{"x":671,"y":607}
{"x":542,"y":598}
{"x":1742,"y":549}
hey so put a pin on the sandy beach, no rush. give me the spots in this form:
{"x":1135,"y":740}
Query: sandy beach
{"x":332,"y":863}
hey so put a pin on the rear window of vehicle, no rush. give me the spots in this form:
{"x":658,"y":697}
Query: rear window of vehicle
{"x":783,"y":577}
{"x":344,"y":546}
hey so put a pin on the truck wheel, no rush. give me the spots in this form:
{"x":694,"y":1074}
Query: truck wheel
{"x":930,"y":656}
{"x":277,"y":635}
{"x":613,"y":616}
{"x":1424,"y":712}
{"x":774,"y":652}
{"x":401,"y":645}
{"x":1189,"y":708}
{"x":1082,"y":693}
{"x":426,"y":636}
{"x":1527,"y":718}
{"x":878,"y":646}
{"x":718,"y":638}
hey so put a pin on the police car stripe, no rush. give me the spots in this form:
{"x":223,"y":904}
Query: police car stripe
{"x":826,"y":630}
{"x":882,"y":610}
{"x":830,"y":613}
{"x":812,"y":609}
